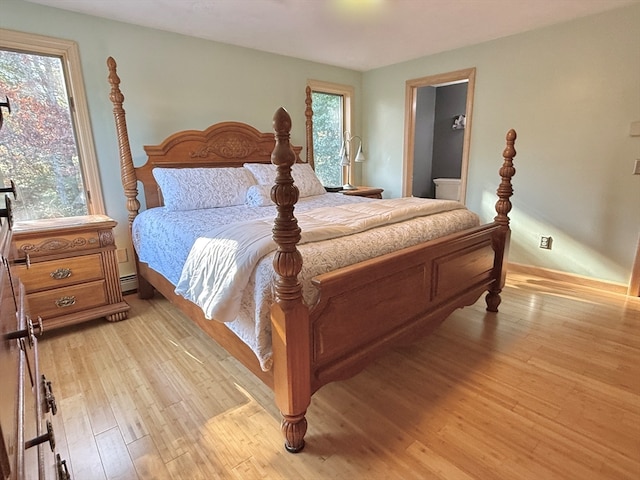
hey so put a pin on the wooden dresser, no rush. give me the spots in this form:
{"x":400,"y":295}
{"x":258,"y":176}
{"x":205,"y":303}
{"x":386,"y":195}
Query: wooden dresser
{"x":27,"y":402}
{"x":70,"y":272}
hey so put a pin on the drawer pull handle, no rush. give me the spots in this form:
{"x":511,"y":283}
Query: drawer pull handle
{"x":49,"y":397}
{"x":66,"y":301}
{"x":60,"y":273}
{"x":12,"y":189}
{"x":26,"y":261}
{"x":8,"y":211}
{"x":63,"y":472}
{"x":29,"y":332}
{"x":46,"y":437}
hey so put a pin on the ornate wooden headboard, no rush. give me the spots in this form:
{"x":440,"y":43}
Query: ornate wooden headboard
{"x":225,"y":144}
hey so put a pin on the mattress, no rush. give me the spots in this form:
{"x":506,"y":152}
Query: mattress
{"x":163,"y":239}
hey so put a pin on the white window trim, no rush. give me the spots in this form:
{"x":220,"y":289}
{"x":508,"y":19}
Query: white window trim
{"x":70,"y":54}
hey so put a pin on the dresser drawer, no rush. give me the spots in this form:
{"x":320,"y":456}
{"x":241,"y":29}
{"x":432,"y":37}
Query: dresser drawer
{"x":60,"y":273}
{"x":65,"y":300}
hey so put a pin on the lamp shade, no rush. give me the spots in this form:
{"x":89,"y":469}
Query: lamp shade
{"x":360,"y":155}
{"x":345,"y":157}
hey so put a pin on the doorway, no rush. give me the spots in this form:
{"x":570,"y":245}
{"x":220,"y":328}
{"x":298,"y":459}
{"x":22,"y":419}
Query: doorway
{"x":415,"y":100}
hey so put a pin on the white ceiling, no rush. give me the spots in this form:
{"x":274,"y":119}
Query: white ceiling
{"x":356,"y":34}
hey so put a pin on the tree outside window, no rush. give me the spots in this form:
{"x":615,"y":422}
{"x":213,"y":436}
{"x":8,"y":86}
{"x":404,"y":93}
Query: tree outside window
{"x":331,"y":105}
{"x":327,"y":137}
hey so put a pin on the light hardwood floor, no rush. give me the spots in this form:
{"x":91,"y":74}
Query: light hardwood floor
{"x":549,"y":388}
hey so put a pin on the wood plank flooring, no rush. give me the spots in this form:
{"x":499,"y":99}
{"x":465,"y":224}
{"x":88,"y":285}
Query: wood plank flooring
{"x":549,"y":388}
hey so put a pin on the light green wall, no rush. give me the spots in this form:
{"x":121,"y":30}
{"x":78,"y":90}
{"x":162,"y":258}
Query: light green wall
{"x":171,"y":82}
{"x":571,"y":92}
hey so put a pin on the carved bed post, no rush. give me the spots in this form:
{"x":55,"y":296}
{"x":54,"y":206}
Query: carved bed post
{"x":503,"y":207}
{"x":127,"y":171}
{"x":308,"y":113}
{"x":289,"y":314}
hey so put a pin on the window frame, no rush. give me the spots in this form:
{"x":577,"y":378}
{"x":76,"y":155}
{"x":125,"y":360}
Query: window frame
{"x":347,"y":92}
{"x":69,"y":53}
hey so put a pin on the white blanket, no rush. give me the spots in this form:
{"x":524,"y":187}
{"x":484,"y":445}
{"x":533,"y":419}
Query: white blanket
{"x":219,"y":265}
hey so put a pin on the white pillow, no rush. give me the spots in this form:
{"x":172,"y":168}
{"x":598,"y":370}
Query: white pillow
{"x":196,"y":188}
{"x":303,"y":176}
{"x":259,"y":196}
{"x":264,"y":173}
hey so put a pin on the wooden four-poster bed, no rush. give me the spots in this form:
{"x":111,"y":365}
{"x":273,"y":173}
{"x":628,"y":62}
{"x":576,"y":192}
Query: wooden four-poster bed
{"x":360,"y":310}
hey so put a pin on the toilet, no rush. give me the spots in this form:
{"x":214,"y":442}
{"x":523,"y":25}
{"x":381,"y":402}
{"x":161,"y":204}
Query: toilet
{"x":447,"y":188}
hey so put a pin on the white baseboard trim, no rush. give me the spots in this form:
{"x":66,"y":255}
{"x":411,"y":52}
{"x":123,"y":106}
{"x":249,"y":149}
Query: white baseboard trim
{"x":129,"y":283}
{"x":611,"y":287}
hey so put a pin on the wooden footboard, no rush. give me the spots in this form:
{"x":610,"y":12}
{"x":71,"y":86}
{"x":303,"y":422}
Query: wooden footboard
{"x":369,"y":307}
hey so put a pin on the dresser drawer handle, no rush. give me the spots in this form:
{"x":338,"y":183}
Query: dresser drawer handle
{"x":46,"y":437}
{"x":63,"y":472}
{"x":60,"y":273}
{"x":30,"y":332}
{"x":8,"y":211}
{"x":66,"y":301}
{"x":49,"y":397}
{"x":26,"y":261}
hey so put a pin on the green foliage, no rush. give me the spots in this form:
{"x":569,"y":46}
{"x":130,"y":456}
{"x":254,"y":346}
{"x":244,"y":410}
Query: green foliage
{"x":37,"y":142}
{"x":327,"y":137}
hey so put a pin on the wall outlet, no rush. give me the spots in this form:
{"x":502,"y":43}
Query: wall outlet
{"x":545,"y":242}
{"x":122,"y":255}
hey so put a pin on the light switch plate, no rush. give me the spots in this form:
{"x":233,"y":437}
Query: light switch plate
{"x":636,"y":168}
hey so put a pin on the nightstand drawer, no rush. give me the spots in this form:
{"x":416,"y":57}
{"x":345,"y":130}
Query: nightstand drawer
{"x":60,"y":273}
{"x":65,"y":300}
{"x":62,"y":243}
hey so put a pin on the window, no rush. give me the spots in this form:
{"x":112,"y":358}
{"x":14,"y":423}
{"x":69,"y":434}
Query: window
{"x":46,"y":146}
{"x":331,"y":105}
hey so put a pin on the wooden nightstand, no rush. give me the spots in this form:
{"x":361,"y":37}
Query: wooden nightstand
{"x":370,"y":192}
{"x":70,"y":272}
